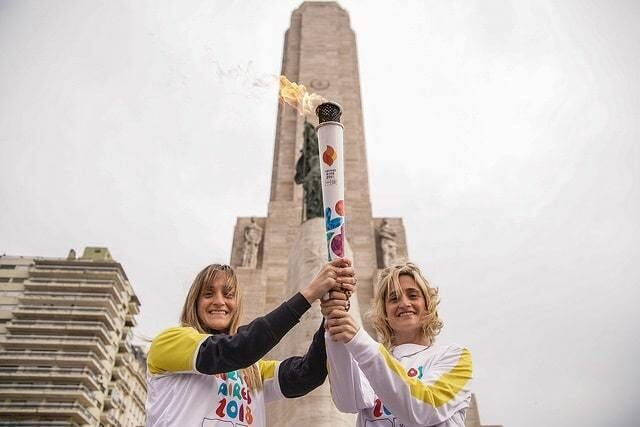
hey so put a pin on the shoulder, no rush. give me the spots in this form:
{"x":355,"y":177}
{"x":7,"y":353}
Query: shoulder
{"x":450,"y":348}
{"x":455,"y":355}
{"x":177,"y":335}
{"x":174,"y":349}
{"x":174,"y":332}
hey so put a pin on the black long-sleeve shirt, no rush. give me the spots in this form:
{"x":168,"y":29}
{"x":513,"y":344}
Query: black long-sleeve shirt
{"x":173,"y":350}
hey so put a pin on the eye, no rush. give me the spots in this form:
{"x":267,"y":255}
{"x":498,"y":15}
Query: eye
{"x":392,"y":298}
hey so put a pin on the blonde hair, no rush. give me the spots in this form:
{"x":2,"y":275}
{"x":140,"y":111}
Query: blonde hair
{"x":388,"y":281}
{"x":189,"y":316}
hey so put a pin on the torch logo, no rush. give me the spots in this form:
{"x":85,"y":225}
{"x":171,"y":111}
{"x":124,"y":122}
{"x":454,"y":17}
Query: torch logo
{"x":337,"y":243}
{"x":329,"y":156}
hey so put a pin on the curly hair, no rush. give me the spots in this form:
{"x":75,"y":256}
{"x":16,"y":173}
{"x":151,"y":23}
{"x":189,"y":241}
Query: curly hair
{"x":388,"y":281}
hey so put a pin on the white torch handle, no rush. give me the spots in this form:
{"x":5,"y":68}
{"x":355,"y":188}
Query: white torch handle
{"x":330,"y":146}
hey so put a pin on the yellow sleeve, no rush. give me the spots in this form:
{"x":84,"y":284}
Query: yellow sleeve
{"x":431,"y":400}
{"x":270,"y":383}
{"x":174,"y":350}
{"x":267,"y":369}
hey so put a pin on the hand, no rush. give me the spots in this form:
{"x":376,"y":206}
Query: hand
{"x":341,"y":326}
{"x":337,"y":300}
{"x":336,"y":274}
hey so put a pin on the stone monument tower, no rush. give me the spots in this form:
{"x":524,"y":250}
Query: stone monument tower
{"x":277,"y":254}
{"x":319,"y":52}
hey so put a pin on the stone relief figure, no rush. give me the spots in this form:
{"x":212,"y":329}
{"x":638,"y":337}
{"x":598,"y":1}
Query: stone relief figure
{"x":387,"y":243}
{"x":252,"y":238}
{"x":308,"y":174}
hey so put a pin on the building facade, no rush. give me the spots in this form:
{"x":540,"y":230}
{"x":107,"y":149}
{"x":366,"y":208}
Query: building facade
{"x":66,"y":356}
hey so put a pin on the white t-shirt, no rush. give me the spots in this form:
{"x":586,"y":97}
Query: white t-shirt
{"x":412,"y":386}
{"x":194,"y":379}
{"x":179,"y":395}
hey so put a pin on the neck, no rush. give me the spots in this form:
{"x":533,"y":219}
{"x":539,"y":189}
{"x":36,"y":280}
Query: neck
{"x":410,"y":338}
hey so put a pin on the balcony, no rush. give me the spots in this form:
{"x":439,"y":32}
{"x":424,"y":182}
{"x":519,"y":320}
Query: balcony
{"x":19,"y":342}
{"x":46,"y":414}
{"x":54,"y":358}
{"x":109,"y":418}
{"x":47,"y":391}
{"x":113,"y":399}
{"x":120,"y":374}
{"x":125,"y":346}
{"x":140,"y":399}
{"x":62,"y":327}
{"x":28,"y":422}
{"x":134,"y":308}
{"x":31,"y":312}
{"x":51,"y":374}
{"x":72,"y":300}
{"x":86,"y":287}
{"x":130,"y":321}
{"x":135,"y":366}
{"x":80,"y":273}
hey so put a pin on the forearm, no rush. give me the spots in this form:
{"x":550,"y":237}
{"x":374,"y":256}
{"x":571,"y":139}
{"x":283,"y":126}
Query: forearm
{"x":224,"y":353}
{"x":430,"y":400}
{"x":299,"y":375}
{"x":350,"y":390}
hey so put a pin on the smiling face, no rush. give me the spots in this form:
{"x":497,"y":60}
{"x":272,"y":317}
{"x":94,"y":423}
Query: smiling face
{"x":217,"y":304}
{"x":406,"y":309}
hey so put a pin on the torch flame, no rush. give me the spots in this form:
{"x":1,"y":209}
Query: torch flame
{"x":297,"y":96}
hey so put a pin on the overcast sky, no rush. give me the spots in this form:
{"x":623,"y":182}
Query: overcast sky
{"x":504,"y":133}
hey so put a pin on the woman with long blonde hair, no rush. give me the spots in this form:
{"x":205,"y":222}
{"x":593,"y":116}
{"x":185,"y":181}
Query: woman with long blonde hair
{"x":405,"y":379}
{"x":208,"y":371}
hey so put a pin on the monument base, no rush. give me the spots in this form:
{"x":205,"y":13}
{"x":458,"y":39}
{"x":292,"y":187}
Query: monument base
{"x":308,"y":255}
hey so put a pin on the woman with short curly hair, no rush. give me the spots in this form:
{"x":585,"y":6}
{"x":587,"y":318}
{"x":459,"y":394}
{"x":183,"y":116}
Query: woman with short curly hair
{"x":405,"y":379}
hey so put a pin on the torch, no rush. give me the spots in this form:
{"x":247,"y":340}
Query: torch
{"x":330,"y":146}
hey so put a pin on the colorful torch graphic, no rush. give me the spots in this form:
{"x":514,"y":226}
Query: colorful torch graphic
{"x":330,"y":133}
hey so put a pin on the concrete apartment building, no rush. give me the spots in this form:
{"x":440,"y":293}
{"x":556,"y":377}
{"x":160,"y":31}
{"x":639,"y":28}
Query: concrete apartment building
{"x":66,"y":356}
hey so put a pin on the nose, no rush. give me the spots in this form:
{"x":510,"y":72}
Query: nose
{"x":404,"y":301}
{"x":218,"y":298}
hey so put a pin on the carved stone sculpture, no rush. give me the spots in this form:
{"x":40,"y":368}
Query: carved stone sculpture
{"x":308,"y":174}
{"x":387,"y":243}
{"x":252,"y":238}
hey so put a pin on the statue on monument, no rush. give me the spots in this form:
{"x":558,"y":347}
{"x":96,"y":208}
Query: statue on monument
{"x":252,"y":238}
{"x":308,"y":173}
{"x":387,"y":243}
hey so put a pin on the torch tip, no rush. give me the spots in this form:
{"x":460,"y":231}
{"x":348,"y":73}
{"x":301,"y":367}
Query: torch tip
{"x":329,"y":112}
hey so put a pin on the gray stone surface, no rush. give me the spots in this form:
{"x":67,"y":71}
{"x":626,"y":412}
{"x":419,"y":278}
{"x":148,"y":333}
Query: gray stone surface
{"x":308,"y":255}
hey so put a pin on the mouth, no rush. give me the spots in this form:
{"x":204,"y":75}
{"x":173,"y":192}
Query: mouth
{"x":406,"y":314}
{"x":218,"y":312}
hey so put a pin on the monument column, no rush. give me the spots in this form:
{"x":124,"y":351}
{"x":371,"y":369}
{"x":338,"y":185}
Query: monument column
{"x":320,"y":53}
